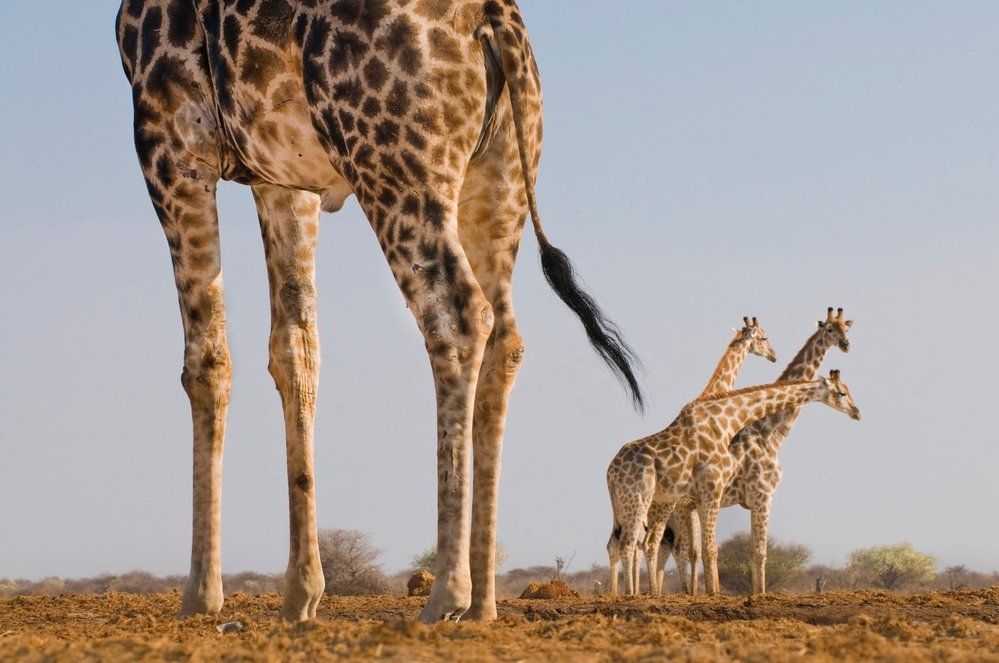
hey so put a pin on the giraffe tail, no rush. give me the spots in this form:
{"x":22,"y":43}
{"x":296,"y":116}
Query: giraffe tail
{"x":505,"y":44}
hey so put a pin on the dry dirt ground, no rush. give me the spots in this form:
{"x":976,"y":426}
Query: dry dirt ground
{"x":962,"y":625}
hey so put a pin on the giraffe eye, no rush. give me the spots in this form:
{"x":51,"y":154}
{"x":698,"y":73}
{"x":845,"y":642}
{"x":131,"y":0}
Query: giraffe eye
{"x":841,"y":393}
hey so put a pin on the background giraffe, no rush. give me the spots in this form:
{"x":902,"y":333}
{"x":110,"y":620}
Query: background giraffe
{"x":690,"y":460}
{"x":758,"y":470}
{"x":755,"y":449}
{"x":751,"y":339}
{"x":430,"y":114}
{"x":686,"y":535}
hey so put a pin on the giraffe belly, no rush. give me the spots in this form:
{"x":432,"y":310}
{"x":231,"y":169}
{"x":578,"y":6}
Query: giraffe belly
{"x":260,"y":95}
{"x":278,"y":143}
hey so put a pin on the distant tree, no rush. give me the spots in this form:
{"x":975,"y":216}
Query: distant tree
{"x":8,"y":587}
{"x":785,"y":562}
{"x":351,"y":563}
{"x":427,"y":560}
{"x":891,"y":567}
{"x":957,"y":576}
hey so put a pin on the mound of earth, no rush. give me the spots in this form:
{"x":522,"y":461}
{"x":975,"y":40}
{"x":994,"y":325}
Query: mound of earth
{"x":556,"y":589}
{"x":420,"y":583}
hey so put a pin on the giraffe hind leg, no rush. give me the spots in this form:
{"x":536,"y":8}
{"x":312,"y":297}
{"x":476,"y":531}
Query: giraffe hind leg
{"x":491,"y":215}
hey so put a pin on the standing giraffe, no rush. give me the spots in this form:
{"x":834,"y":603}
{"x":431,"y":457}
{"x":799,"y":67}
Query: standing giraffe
{"x":429,"y":112}
{"x":690,"y":460}
{"x":755,"y":448}
{"x":751,"y":339}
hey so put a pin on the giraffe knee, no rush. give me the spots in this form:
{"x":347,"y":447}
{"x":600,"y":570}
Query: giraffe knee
{"x":207,"y":369}
{"x":297,"y":299}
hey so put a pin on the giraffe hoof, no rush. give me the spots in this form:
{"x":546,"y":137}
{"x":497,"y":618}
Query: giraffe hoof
{"x":445,"y":605}
{"x":482,"y":612}
{"x":201,"y":602}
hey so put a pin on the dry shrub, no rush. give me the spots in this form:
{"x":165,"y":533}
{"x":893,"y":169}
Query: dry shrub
{"x":420,"y":583}
{"x":351,"y":563}
{"x":553,"y":589}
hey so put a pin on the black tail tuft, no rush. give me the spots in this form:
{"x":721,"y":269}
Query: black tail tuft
{"x":604,"y":335}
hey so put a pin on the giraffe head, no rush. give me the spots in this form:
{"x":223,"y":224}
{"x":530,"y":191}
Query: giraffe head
{"x":835,"y":328}
{"x":753,"y":334}
{"x":837,"y":395}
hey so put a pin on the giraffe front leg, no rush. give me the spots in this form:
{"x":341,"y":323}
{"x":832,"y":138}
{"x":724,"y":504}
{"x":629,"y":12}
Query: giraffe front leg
{"x":289,"y":223}
{"x":189,"y":218}
{"x":759,"y":520}
{"x":658,"y":515}
{"x":708,"y":513}
{"x":693,"y":550}
{"x":614,"y":558}
{"x":681,"y":547}
{"x":176,"y":141}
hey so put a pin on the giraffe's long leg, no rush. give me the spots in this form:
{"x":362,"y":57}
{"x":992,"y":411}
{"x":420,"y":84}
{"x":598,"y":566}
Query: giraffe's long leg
{"x":693,"y":548}
{"x":614,"y":558}
{"x":687,"y":550}
{"x":658,"y":514}
{"x":491,"y":216}
{"x":759,"y":519}
{"x":176,"y":142}
{"x":191,"y":227}
{"x":708,"y":512}
{"x":289,"y":224}
{"x":187,"y":212}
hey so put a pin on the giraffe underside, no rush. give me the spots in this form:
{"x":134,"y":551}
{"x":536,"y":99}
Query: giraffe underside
{"x":326,"y":97}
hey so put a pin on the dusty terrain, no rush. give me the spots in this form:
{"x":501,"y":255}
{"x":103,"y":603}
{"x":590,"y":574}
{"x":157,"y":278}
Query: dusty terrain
{"x":962,"y":625}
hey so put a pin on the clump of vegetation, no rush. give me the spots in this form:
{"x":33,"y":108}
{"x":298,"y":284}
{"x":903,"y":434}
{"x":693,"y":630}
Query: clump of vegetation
{"x":351,"y":563}
{"x":427,"y":560}
{"x":785,"y":563}
{"x":892,"y":567}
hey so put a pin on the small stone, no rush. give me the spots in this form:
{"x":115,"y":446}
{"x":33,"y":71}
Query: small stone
{"x":230,"y":627}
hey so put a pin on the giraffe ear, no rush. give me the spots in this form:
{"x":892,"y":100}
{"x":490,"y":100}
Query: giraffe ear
{"x":825,"y":381}
{"x":820,"y":323}
{"x":849,"y":323}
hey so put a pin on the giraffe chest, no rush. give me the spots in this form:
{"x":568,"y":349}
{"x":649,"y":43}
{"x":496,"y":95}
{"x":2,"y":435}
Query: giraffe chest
{"x":256,"y":72}
{"x":756,"y":476}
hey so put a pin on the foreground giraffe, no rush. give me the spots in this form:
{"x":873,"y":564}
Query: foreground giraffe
{"x":429,"y":112}
{"x":751,"y":339}
{"x":758,"y":471}
{"x":690,"y":460}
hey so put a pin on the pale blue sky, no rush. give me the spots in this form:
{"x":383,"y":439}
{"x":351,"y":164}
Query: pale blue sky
{"x":702,"y":161}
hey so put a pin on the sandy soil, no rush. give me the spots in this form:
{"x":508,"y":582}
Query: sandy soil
{"x":858,"y":625}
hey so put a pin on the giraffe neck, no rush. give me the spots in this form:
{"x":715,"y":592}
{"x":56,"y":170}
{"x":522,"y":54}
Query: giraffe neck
{"x":773,"y":429}
{"x":755,"y":403}
{"x":806,"y":364}
{"x":723,"y":379}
